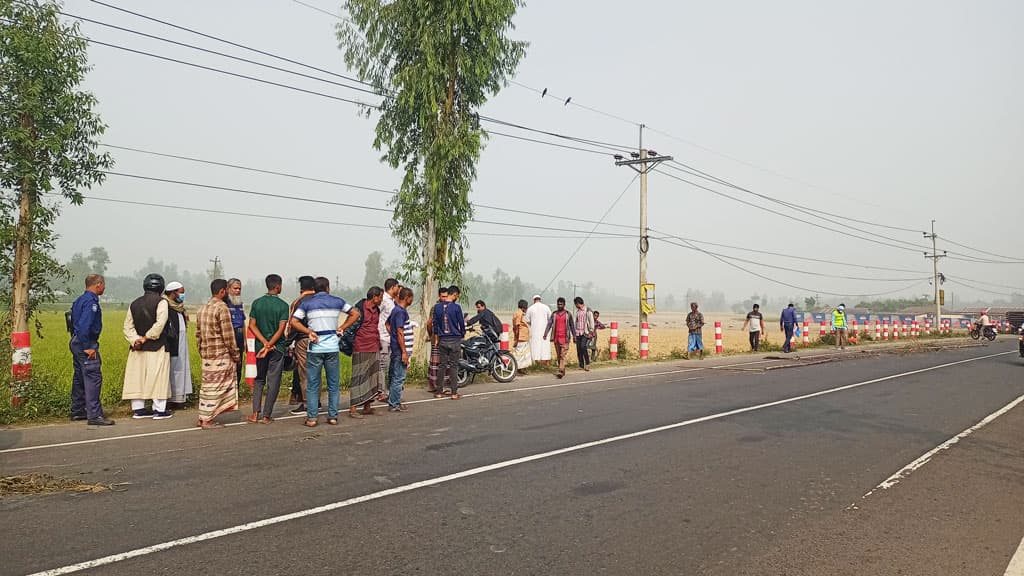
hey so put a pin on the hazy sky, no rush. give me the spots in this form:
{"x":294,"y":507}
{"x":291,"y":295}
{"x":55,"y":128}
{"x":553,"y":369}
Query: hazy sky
{"x":887,"y":112}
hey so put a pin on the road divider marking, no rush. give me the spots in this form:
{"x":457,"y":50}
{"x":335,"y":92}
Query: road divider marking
{"x":927,"y":456}
{"x":1016,"y":567}
{"x":213,"y":534}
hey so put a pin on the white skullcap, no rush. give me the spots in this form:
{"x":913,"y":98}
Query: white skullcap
{"x":173,"y":286}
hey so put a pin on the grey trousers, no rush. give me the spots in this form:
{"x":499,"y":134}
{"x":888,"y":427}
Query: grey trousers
{"x":268,"y":374}
{"x":451,"y":353}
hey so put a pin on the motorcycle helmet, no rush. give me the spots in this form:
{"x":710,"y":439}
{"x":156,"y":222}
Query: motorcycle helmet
{"x":153,"y":283}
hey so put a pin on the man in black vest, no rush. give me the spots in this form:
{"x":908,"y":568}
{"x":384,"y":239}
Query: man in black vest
{"x":148,"y":369}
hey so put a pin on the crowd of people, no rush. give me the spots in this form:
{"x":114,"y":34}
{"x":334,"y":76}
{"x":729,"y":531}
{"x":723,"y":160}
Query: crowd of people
{"x":306,"y":337}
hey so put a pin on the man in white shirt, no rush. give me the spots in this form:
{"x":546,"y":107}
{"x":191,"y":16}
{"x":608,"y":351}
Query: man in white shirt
{"x":537,"y":317}
{"x":391,"y":288}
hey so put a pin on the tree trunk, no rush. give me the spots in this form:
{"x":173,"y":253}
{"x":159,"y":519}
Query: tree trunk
{"x":427,"y":291}
{"x":22,"y":257}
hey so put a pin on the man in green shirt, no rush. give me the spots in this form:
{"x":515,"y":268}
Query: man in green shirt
{"x":268,"y":317}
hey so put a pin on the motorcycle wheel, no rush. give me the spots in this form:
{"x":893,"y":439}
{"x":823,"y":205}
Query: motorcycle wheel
{"x":975,"y":334}
{"x":462,"y":376}
{"x":504,"y":367}
{"x":990,"y":336}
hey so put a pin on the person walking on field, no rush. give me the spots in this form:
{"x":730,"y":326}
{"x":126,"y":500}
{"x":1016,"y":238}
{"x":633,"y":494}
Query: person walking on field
{"x":219,"y":352}
{"x":181,"y":368}
{"x":267,"y":320}
{"x":839,"y":325}
{"x":300,"y":344}
{"x":147,"y":373}
{"x":86,"y":325}
{"x":449,"y":330}
{"x":583,"y":330}
{"x":560,"y":328}
{"x":592,"y":344}
{"x":787,"y":323}
{"x":538,"y":315}
{"x":695,"y":326}
{"x":755,"y":321}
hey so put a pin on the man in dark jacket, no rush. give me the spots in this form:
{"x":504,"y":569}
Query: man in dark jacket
{"x":449,"y":328}
{"x":486,"y":318}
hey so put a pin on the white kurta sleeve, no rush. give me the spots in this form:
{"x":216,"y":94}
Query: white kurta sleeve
{"x":129,"y":328}
{"x":161,"y":321}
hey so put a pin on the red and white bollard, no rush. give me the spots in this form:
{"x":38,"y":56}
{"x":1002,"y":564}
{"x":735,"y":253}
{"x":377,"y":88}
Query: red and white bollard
{"x":885,"y":330}
{"x":718,"y":338}
{"x":807,"y":333}
{"x":250,"y":358}
{"x":927,"y":325}
{"x":853,"y":327}
{"x":915,"y":329}
{"x":821,"y":329}
{"x":906,"y":329}
{"x":645,"y":332}
{"x":613,"y":341}
{"x":504,"y":337}
{"x":878,"y":330}
{"x":895,"y":329}
{"x":21,"y":365}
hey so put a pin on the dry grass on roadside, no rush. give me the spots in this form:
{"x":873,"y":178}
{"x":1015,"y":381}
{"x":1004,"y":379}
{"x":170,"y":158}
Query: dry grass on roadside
{"x":45,"y":484}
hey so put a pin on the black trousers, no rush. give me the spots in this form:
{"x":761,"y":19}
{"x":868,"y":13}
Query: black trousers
{"x":451,"y":353}
{"x":582,"y":351}
{"x":755,"y":340}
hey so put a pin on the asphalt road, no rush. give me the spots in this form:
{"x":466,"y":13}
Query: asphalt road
{"x":718,"y":467}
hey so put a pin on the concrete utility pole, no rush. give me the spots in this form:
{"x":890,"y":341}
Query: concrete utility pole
{"x":642,"y":162}
{"x":936,"y":277}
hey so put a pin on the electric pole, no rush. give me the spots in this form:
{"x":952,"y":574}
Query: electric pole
{"x":642,"y":162}
{"x":217,"y":271}
{"x":936,"y":277}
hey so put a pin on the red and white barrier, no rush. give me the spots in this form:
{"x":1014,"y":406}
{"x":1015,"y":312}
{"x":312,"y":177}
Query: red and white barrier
{"x":821,"y":329}
{"x":915,"y":329}
{"x":613,"y":341}
{"x":503,"y":339}
{"x":718,"y":337}
{"x":807,"y":333}
{"x":853,"y":327}
{"x":906,"y":329}
{"x":645,"y":332}
{"x":21,"y":365}
{"x":927,"y":325}
{"x":878,"y":330}
{"x":250,"y":358}
{"x":895,"y":329}
{"x":885,"y":330}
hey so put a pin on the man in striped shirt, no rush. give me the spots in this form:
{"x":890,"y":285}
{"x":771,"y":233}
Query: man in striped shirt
{"x":322,"y":313}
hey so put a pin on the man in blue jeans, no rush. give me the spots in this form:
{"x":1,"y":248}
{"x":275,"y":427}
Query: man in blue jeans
{"x":322,"y":313}
{"x":398,"y":323}
{"x":788,"y":323}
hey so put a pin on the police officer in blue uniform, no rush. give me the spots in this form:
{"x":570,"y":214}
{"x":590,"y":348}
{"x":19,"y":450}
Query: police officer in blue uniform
{"x":86,"y":325}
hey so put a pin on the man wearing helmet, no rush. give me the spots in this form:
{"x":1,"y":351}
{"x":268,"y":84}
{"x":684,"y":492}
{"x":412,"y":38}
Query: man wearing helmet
{"x":148,"y":369}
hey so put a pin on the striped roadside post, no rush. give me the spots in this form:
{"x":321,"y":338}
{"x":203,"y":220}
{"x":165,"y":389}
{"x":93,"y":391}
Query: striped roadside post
{"x":613,"y":341}
{"x":915,"y":329}
{"x":895,"y":329}
{"x":807,"y":333}
{"x":718,"y":337}
{"x":853,"y":327}
{"x":21,"y":365}
{"x":878,"y":329}
{"x":504,"y":337}
{"x":821,"y":329}
{"x":906,"y":332}
{"x":250,"y":358}
{"x":645,"y":330}
{"x":927,"y":325}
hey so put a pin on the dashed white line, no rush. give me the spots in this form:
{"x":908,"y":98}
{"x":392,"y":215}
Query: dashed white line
{"x":113,"y":558}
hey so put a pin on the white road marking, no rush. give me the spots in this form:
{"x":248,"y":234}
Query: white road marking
{"x":244,"y":423}
{"x":924,"y":458}
{"x":1016,"y":567}
{"x":113,"y":558}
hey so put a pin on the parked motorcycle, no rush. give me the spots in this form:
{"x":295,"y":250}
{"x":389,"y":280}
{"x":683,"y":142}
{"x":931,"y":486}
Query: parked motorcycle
{"x":989,"y":332}
{"x":483,"y":353}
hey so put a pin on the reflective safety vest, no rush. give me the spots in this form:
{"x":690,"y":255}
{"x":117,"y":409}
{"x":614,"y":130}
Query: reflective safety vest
{"x":838,"y":319}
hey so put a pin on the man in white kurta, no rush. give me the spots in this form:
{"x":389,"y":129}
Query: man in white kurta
{"x":147,"y":371}
{"x":537,"y":317}
{"x":181,"y":371}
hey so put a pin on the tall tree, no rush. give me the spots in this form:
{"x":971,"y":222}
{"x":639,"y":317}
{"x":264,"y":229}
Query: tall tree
{"x":98,"y":260}
{"x":49,"y":133}
{"x":374,"y":270}
{"x":435,"y":64}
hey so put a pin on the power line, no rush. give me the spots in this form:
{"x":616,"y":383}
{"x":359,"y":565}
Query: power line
{"x":784,"y":215}
{"x":980,"y":289}
{"x":321,"y":10}
{"x":592,"y":231}
{"x":1011,"y":258}
{"x":776,"y":281}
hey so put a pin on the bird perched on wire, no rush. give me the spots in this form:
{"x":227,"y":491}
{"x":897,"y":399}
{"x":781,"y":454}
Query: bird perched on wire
{"x":544,"y":93}
{"x":567,"y":101}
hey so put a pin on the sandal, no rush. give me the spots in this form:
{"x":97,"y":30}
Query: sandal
{"x":253,"y":418}
{"x":332,"y":421}
{"x":355,"y":415}
{"x":456,"y":396}
{"x":368,"y":411}
{"x":266,"y":420}
{"x":209,"y":425}
{"x":310,"y":423}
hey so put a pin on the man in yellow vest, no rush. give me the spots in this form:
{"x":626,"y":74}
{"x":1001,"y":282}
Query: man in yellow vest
{"x":839,"y":326}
